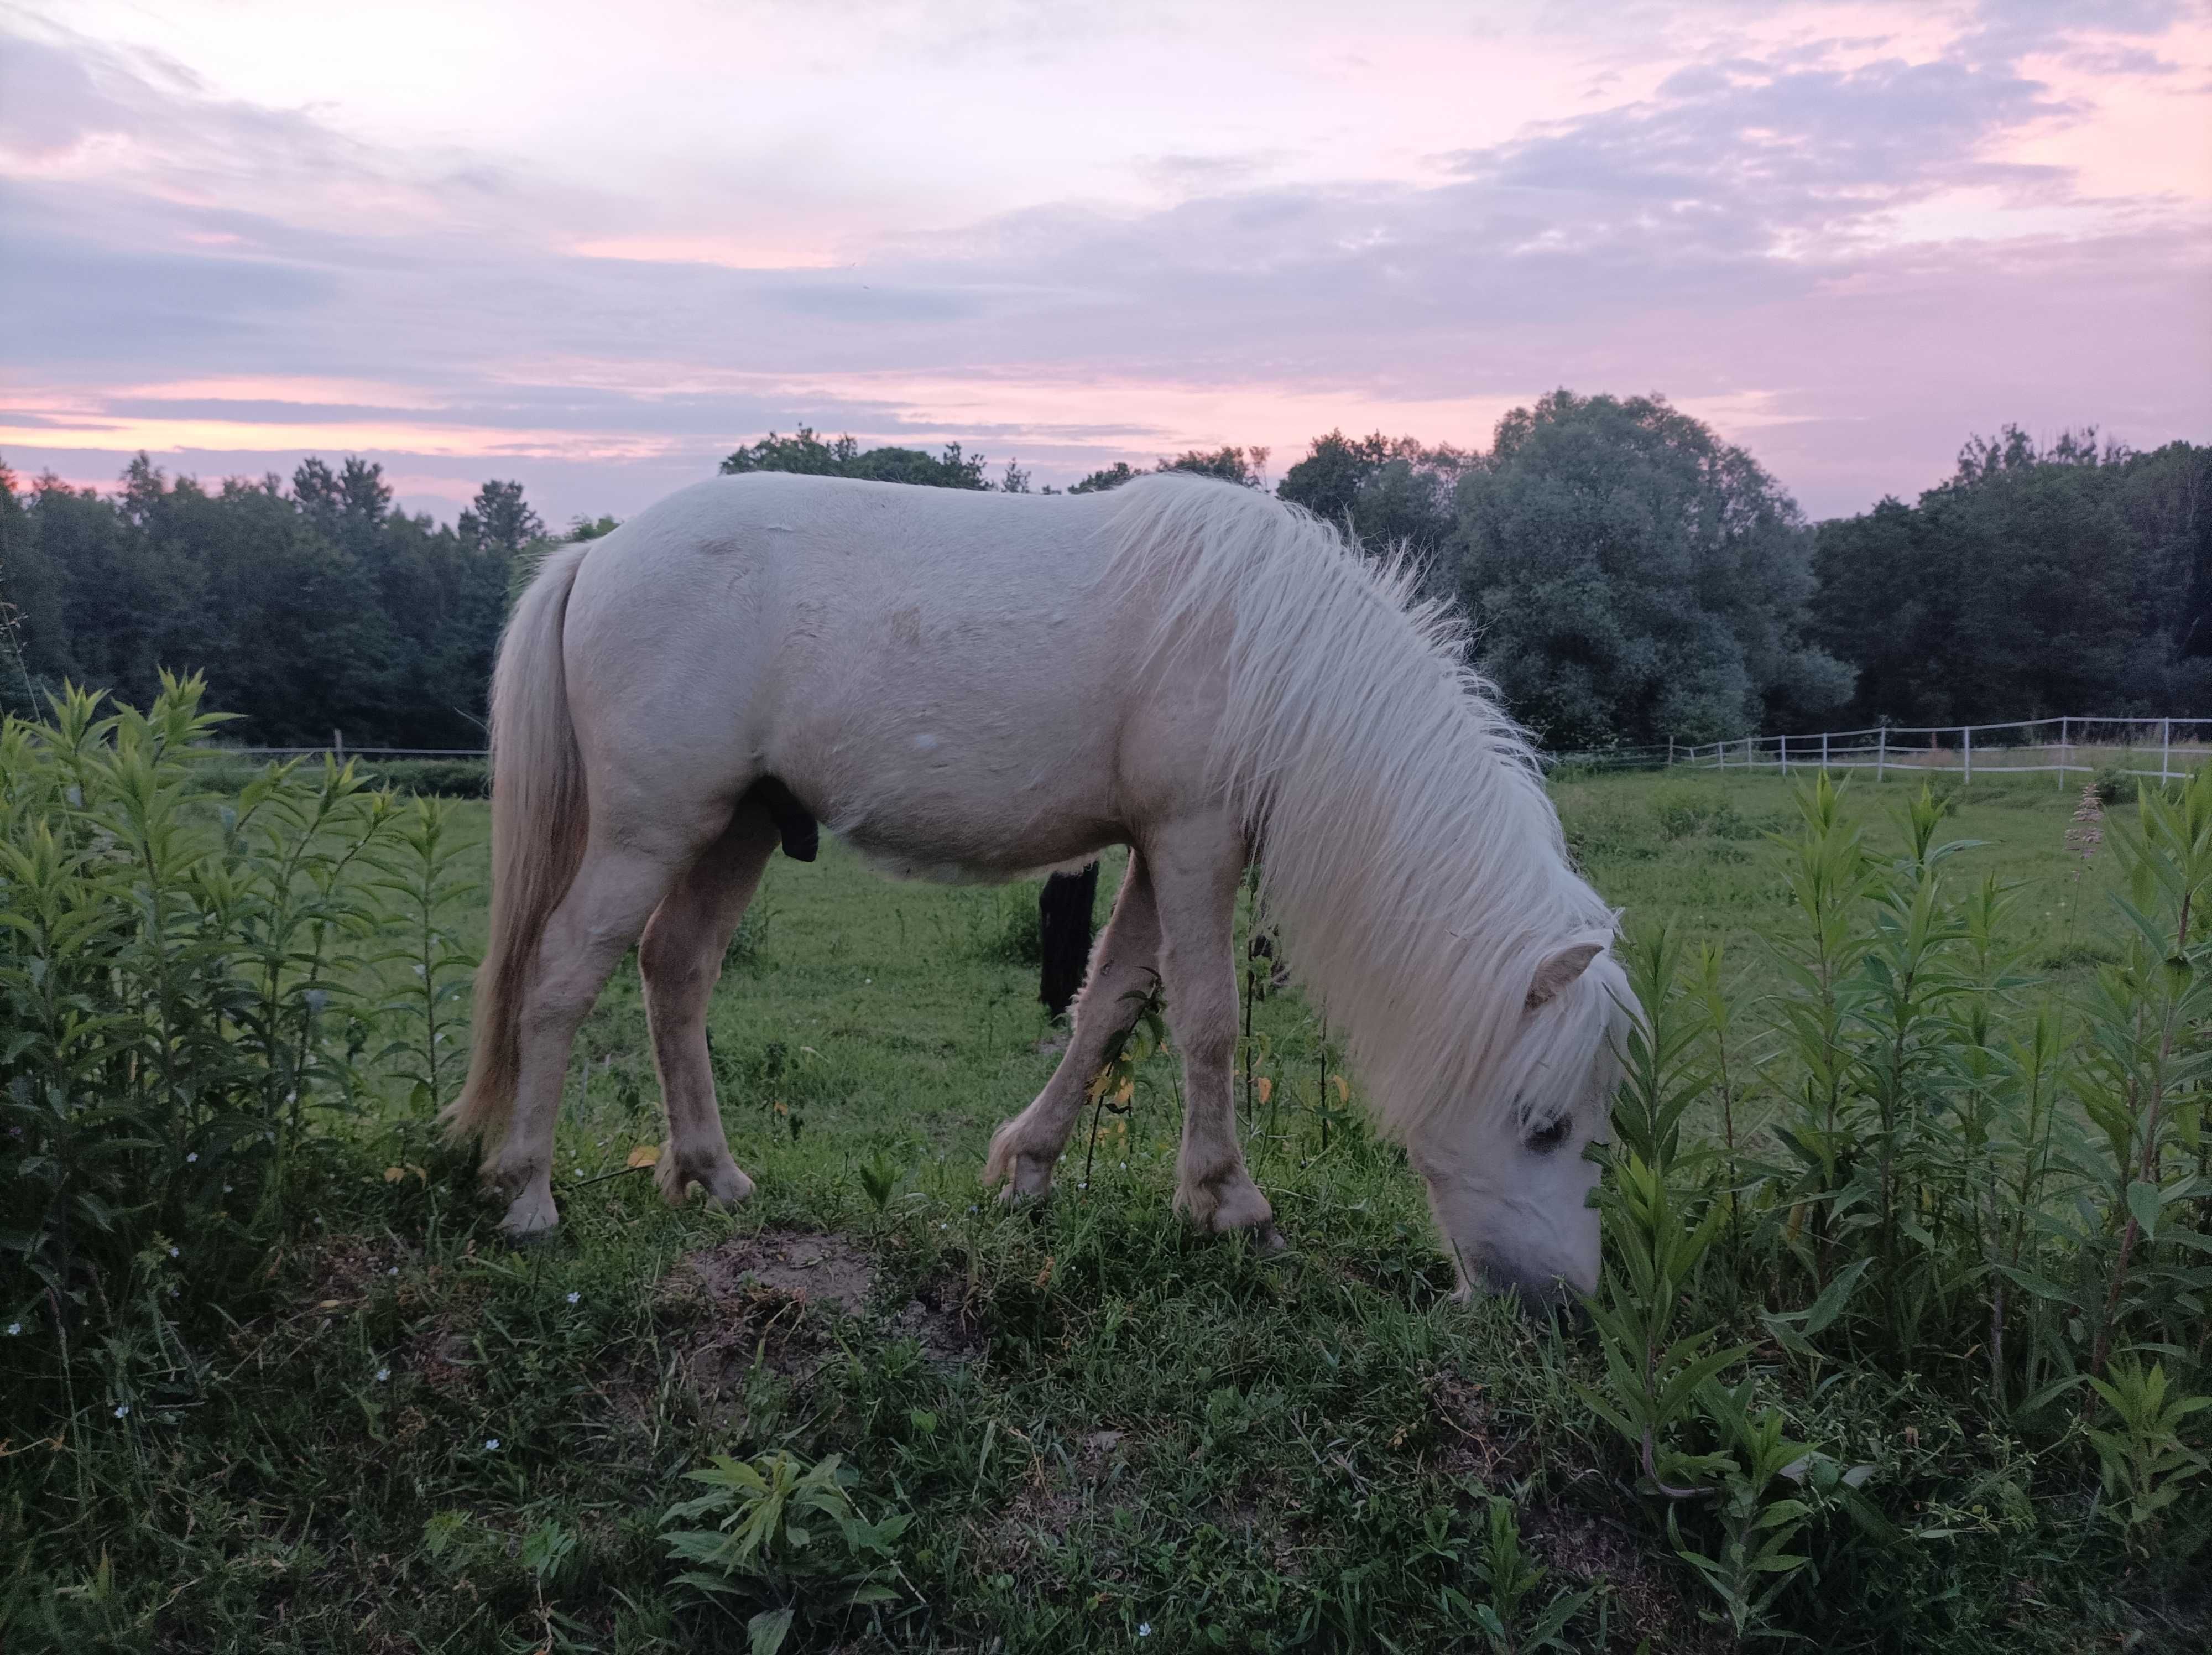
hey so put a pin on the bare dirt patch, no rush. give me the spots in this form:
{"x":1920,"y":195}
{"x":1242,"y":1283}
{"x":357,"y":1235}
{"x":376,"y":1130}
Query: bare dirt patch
{"x":795,"y":1264}
{"x":772,"y":1298}
{"x":1475,"y":1443}
{"x":1582,"y":1548}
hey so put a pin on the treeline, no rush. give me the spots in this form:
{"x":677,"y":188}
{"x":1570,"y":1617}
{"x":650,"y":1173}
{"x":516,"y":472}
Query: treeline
{"x":311,"y":607}
{"x":1631,"y":578}
{"x":2037,"y":579}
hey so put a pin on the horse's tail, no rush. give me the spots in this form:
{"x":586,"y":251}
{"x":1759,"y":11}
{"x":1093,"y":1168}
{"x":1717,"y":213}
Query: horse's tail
{"x":540,"y":816}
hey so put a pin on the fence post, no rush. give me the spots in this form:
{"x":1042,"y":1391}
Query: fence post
{"x":337,"y":742}
{"x":1881,"y":749}
{"x":1967,"y":747}
{"x":2062,"y":755}
{"x":1785,"y":755}
{"x":2164,"y":748}
{"x":1670,"y":752}
{"x":1823,"y":753}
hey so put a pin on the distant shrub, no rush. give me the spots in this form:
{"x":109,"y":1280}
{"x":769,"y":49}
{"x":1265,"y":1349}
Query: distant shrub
{"x":443,"y":778}
{"x":2116,"y":786}
{"x":1605,"y":829}
{"x":1684,"y":807}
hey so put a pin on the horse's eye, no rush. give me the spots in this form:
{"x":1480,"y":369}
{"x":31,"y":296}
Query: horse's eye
{"x":1545,"y":1139}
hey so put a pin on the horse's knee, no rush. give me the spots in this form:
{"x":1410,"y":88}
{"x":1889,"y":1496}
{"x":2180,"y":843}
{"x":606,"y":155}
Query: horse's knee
{"x":553,"y":1009}
{"x":1207,"y":1047}
{"x":675,"y":969}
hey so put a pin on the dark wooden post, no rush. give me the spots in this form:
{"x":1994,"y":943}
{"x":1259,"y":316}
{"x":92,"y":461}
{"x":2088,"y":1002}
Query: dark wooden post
{"x":1064,"y":936}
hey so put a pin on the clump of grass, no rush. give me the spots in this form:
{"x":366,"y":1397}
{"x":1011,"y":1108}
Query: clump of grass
{"x":1684,"y":807}
{"x":1004,"y":926}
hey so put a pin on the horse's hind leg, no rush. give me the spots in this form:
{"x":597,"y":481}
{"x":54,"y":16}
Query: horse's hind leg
{"x":606,"y":906}
{"x":680,"y":960}
{"x":1024,"y":1149}
{"x":1197,"y":866}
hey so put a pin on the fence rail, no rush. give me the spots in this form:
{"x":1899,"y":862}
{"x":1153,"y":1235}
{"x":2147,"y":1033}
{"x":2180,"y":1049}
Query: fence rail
{"x":2052,"y":746}
{"x":2162,"y":748}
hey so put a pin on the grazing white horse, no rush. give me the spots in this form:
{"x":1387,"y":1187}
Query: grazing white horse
{"x":980,"y":686}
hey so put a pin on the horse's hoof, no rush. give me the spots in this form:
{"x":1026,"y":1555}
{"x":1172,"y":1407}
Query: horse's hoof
{"x":531,"y":1216}
{"x":1226,"y":1207}
{"x":721,"y":1180}
{"x":524,"y":1241}
{"x":726,"y":1186}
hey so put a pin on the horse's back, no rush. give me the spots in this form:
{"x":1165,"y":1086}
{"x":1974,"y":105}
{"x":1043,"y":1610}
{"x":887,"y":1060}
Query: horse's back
{"x":938,"y":674}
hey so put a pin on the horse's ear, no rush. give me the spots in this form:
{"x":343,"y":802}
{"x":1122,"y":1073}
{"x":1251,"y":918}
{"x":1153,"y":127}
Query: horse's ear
{"x":1557,"y":972}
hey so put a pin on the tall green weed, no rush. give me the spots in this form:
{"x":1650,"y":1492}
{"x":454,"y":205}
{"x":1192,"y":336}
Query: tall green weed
{"x":1918,"y":1166}
{"x":193,"y":984}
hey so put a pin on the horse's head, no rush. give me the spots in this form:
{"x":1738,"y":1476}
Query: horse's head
{"x":1507,"y":1178}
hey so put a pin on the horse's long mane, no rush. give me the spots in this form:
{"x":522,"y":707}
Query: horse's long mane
{"x":1409,"y":857}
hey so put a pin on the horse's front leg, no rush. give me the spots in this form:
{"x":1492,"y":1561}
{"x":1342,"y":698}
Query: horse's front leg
{"x":1197,"y":865}
{"x":1024,"y":1149}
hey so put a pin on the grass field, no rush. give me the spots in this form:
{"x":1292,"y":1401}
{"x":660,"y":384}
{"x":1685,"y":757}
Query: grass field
{"x":1105,"y":1432}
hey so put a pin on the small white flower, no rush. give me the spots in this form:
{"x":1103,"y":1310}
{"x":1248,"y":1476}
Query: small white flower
{"x":173,"y":1252}
{"x":382,"y":1375}
{"x":573,"y":1297}
{"x":1144,"y":1628}
{"x":226,"y":1189}
{"x":191,"y":1156}
{"x":173,"y":1292}
{"x":942,"y":1225}
{"x":122,"y":1410}
{"x":491,"y":1445}
{"x":971,"y":1205}
{"x":394,"y":1270}
{"x":15,"y":1328}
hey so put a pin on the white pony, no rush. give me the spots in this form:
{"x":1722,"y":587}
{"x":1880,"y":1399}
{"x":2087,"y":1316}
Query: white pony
{"x":980,"y":686}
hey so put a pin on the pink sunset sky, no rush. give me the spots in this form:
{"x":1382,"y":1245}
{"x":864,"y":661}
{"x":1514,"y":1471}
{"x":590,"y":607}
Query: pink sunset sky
{"x":595,"y":247}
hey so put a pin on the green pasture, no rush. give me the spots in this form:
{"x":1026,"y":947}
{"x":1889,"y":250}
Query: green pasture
{"x":1079,"y":1427}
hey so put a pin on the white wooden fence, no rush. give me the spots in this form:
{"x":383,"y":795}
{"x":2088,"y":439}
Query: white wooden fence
{"x":2160,"y":747}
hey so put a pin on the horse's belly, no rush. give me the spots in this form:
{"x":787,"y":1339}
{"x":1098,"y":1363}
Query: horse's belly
{"x":981,"y":835}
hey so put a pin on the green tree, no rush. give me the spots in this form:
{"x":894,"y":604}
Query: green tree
{"x":1634,"y":578}
{"x":1387,"y":492}
{"x":1109,"y":477}
{"x":30,"y":586}
{"x":308,"y":609}
{"x":809,"y":455}
{"x":500,"y":521}
{"x":1245,"y":466}
{"x":2037,"y":579}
